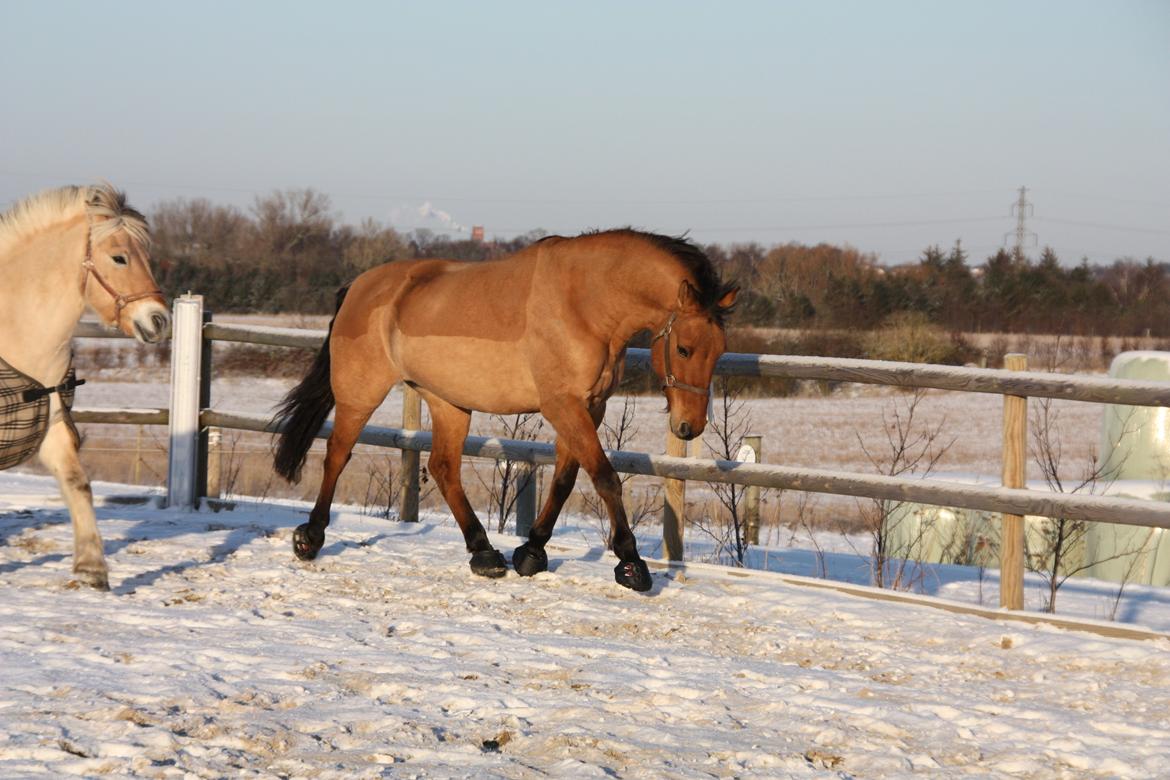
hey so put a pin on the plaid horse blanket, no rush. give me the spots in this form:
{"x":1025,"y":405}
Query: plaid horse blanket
{"x":24,"y":412}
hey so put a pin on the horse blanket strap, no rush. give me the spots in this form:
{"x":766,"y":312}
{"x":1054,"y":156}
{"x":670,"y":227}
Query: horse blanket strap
{"x":70,"y":383}
{"x":668,"y":378}
{"x":24,"y":412}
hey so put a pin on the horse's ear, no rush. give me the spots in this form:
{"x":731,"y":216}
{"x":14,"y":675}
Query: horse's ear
{"x":688,"y":296}
{"x":728,"y":299}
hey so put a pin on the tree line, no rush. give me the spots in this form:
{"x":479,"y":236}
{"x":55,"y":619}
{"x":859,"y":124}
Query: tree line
{"x":289,"y":253}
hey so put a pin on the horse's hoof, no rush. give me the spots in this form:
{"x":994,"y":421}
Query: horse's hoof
{"x":308,"y":541}
{"x":528,"y":560}
{"x":634,"y":575}
{"x":96,"y":579}
{"x":489,"y":563}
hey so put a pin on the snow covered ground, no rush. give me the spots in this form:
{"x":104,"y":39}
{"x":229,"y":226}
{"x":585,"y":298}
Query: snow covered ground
{"x":217,"y":654}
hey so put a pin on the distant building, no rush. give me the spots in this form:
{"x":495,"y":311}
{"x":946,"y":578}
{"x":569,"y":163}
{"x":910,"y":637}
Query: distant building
{"x":477,"y":233}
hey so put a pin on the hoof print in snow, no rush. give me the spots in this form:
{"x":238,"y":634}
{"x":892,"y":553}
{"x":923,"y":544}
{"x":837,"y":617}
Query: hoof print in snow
{"x":489,"y":563}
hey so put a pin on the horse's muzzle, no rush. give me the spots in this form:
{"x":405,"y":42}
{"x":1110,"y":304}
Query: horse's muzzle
{"x":152,"y":324}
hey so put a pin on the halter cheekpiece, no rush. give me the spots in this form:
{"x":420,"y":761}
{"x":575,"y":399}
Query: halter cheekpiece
{"x":668,"y":378}
{"x":120,"y":300}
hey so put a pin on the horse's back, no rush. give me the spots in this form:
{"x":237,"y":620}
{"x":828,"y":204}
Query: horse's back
{"x":454,"y":328}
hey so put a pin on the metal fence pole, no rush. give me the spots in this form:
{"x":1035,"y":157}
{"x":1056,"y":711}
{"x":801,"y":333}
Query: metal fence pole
{"x":1015,"y":450}
{"x":525,"y":476}
{"x":411,"y":421}
{"x":204,"y":443}
{"x":186,"y":365}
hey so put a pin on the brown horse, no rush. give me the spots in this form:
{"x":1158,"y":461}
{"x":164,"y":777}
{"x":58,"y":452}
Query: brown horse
{"x":542,"y":330}
{"x":60,"y":252}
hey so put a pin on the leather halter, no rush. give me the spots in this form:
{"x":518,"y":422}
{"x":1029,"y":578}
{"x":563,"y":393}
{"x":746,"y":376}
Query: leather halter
{"x":668,"y":379}
{"x":120,"y":300}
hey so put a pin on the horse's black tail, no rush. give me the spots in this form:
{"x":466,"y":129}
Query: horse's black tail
{"x":303,"y":411}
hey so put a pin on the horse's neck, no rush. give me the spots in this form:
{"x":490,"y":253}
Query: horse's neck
{"x":644,"y":302}
{"x":41,"y":299}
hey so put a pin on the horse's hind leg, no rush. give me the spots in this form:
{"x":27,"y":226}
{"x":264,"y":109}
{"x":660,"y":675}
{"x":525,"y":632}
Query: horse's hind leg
{"x":450,"y":425}
{"x":59,"y":454}
{"x":348,"y":421}
{"x":358,"y":394}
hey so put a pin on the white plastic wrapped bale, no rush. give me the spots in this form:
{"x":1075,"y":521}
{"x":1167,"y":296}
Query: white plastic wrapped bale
{"x":1135,"y":456}
{"x":968,"y":537}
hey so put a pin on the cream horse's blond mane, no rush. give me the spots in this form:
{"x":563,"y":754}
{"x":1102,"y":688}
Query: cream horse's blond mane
{"x":104,"y":206}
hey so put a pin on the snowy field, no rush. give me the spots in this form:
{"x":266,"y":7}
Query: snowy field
{"x":217,"y":654}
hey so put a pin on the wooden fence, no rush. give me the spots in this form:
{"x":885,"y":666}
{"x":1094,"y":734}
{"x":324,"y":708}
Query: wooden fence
{"x":194,"y":332}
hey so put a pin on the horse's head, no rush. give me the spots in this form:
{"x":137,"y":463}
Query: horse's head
{"x":683,"y":355}
{"x":118,"y":258}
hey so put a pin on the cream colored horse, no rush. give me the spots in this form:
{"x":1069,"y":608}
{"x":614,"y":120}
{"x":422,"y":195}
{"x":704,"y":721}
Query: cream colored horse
{"x":60,"y":251}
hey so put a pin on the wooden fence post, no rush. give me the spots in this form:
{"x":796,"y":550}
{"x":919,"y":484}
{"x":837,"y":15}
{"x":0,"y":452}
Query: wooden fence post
{"x":674,"y":503}
{"x":214,"y":463}
{"x":1015,"y":450}
{"x":183,"y":433}
{"x":409,"y":490}
{"x":751,"y":498}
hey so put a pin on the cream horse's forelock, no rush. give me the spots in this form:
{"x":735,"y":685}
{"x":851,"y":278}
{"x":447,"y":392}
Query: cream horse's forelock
{"x":104,"y":206}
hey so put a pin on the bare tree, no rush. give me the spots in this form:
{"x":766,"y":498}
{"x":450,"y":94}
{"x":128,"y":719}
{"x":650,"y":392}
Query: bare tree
{"x":910,"y":449}
{"x":509,"y":478}
{"x":1060,"y":552}
{"x":728,"y":426}
{"x":382,"y":489}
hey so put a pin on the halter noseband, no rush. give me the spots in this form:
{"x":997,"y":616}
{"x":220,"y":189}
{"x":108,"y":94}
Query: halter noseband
{"x":668,"y":378}
{"x":120,"y":300}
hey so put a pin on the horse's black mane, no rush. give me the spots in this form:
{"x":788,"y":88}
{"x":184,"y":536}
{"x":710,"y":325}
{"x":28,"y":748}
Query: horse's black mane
{"x":711,"y":287}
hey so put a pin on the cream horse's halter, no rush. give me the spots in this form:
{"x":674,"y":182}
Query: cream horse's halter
{"x":120,"y":300}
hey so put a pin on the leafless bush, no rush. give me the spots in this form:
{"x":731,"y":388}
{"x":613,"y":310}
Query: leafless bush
{"x":910,"y":449}
{"x":726,"y":524}
{"x":509,"y":478}
{"x":383,"y":490}
{"x":1060,"y":552}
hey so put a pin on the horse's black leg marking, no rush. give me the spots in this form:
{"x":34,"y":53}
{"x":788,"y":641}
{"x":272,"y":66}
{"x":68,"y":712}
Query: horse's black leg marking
{"x":631,"y":571}
{"x":488,"y":563}
{"x":308,"y":539}
{"x":529,"y":559}
{"x":634,"y":575}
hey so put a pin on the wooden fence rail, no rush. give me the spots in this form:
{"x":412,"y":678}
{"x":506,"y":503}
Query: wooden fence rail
{"x":1030,"y":384}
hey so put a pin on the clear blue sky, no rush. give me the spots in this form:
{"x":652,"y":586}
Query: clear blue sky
{"x":888,"y":125}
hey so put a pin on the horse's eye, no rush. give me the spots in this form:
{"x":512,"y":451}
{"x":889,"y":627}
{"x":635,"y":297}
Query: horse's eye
{"x":683,"y":351}
{"x":119,"y":259}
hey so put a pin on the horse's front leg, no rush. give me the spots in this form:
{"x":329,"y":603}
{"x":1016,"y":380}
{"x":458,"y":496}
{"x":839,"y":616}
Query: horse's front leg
{"x":530,"y":558}
{"x":59,"y":454}
{"x":573,"y":423}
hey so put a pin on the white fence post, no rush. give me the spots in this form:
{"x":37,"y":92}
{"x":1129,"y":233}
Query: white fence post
{"x":186,"y":365}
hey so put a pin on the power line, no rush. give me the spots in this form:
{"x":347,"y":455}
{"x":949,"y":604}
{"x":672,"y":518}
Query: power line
{"x":559,"y":201}
{"x":1104,"y":226}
